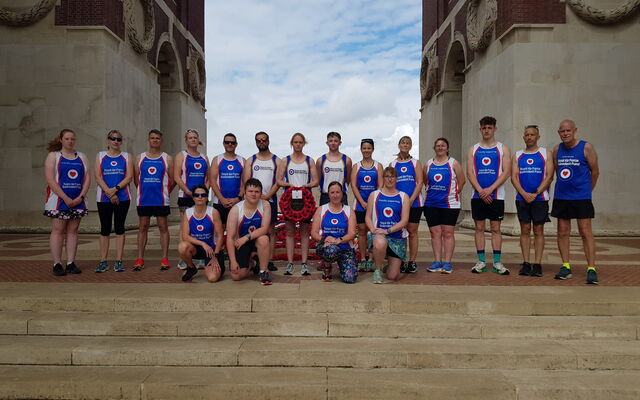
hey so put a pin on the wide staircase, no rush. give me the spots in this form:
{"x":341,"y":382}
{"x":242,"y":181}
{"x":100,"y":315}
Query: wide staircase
{"x":315,"y":340}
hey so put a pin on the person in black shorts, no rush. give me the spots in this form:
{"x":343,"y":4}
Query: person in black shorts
{"x":202,"y":237}
{"x":531,"y":175}
{"x":488,"y":168}
{"x":248,"y":233}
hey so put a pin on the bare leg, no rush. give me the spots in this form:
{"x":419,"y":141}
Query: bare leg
{"x":272,"y":241}
{"x":163,"y":226}
{"x":479,"y":234}
{"x":104,"y":247}
{"x":290,"y":226}
{"x":538,"y":242}
{"x":262,"y":244}
{"x":72,"y":239}
{"x":589,"y":244}
{"x":362,"y":241}
{"x":564,"y":229}
{"x":56,"y":239}
{"x":143,"y":232}
{"x":412,"y":228}
{"x":379,"y":250}
{"x":186,"y":252}
{"x":525,"y":240}
{"x":449,"y":240}
{"x":119,"y":246}
{"x":496,"y":236}
{"x":436,"y":241}
{"x":393,"y":271}
{"x":304,"y":242}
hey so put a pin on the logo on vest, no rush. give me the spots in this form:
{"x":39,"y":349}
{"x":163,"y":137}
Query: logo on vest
{"x":197,"y":165}
{"x":367,"y":179}
{"x":230,"y":167}
{"x":114,"y":163}
{"x":326,"y":170}
{"x":291,"y":172}
{"x":530,"y":161}
{"x":252,"y":228}
{"x":72,"y":174}
{"x":437,"y":177}
{"x":152,"y":170}
{"x":565,"y":173}
{"x":388,"y":212}
{"x":334,"y":221}
{"x":199,"y":228}
{"x":256,"y":168}
{"x":486,"y":161}
{"x":403,"y":169}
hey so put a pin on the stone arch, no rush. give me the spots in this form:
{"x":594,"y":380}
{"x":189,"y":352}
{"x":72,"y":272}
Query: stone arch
{"x":170,"y":72}
{"x":455,"y":63}
{"x":453,"y":78}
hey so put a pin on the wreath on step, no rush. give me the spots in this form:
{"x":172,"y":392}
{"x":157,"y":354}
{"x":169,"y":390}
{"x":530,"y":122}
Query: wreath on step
{"x":297,"y":209}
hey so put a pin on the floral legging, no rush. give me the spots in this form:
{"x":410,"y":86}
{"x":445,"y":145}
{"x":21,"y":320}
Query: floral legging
{"x":346,"y":260}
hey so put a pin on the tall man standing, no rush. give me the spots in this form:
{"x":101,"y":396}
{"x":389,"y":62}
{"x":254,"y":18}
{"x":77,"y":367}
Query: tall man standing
{"x":225,"y":177}
{"x":263,"y":166}
{"x":576,"y":165}
{"x":531,"y":175}
{"x":488,"y":168}
{"x":152,"y":177}
{"x":333,"y":166}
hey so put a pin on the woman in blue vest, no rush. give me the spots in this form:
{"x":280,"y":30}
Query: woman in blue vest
{"x":334,"y":227}
{"x":299,"y":171}
{"x":68,"y":181}
{"x":113,"y":172}
{"x":387,"y":216}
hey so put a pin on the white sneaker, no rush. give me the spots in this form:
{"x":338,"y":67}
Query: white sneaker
{"x":500,"y":269}
{"x":182,"y":265}
{"x":479,"y":268}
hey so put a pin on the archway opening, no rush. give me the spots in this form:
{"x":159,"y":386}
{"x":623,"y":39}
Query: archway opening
{"x":170,"y":98}
{"x":453,"y":82}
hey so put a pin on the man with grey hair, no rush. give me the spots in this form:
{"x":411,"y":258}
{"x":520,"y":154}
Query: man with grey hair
{"x":576,"y":165}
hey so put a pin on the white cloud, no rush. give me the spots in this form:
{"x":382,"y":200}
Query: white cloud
{"x":313,"y":66}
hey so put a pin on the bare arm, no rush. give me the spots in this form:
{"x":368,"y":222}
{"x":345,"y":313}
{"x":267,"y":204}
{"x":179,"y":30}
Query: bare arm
{"x":136,"y":172}
{"x":457,"y":168}
{"x":380,"y":178}
{"x":319,"y":170}
{"x":213,"y":179}
{"x":217,"y":227}
{"x":506,"y":170}
{"x":282,"y":166}
{"x":348,"y":174}
{"x":232,"y":232}
{"x":354,"y":188}
{"x":177,"y":173}
{"x":274,"y":188}
{"x":418,"y":179}
{"x":97,"y":173}
{"x":172,"y":183}
{"x":404,"y":217}
{"x":471,"y":172}
{"x":546,"y":182}
{"x":49,"y":176}
{"x":314,"y":175}
{"x":592,"y":160}
{"x":315,"y":226}
{"x":515,"y":180}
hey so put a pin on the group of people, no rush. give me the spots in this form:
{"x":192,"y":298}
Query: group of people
{"x":387,"y":208}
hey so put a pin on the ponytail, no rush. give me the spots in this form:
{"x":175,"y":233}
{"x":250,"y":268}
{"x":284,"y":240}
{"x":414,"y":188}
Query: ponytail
{"x":56,"y":144}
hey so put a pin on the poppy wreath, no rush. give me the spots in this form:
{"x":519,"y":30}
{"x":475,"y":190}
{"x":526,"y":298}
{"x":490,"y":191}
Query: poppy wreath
{"x":305,"y":213}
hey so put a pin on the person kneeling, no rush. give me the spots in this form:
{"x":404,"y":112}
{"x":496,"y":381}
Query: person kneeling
{"x":334,"y":226}
{"x":202,"y":237}
{"x":247,"y":233}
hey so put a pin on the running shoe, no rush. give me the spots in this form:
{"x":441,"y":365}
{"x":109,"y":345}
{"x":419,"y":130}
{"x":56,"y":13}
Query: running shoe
{"x":189,"y":274}
{"x":182,"y":265}
{"x":592,"y":277}
{"x":271,"y":266}
{"x":72,"y":268}
{"x":377,"y":276}
{"x":435,"y":267}
{"x":370,"y":266}
{"x":164,"y":264}
{"x":138,"y":265}
{"x":564,"y":273}
{"x":536,"y":270}
{"x":479,"y":268}
{"x":256,"y":265}
{"x":447,"y":268}
{"x":265,"y":278}
{"x":289,"y":269}
{"x":58,"y":270}
{"x":500,"y":269}
{"x":304,"y":269}
{"x":326,"y":275}
{"x":525,"y":270}
{"x":103,"y":266}
{"x":118,"y":267}
{"x":412,"y":268}
{"x":201,"y":263}
{"x":362,"y":265}
{"x":403,"y":267}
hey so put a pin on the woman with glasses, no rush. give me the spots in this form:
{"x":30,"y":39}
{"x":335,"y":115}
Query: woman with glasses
{"x":410,"y":182}
{"x":113,"y":171}
{"x":387,"y":216}
{"x":202,"y":237}
{"x":68,"y":181}
{"x":299,"y":171}
{"x":366,"y":176}
{"x":189,"y":169}
{"x":334,"y":227}
{"x":444,"y":180}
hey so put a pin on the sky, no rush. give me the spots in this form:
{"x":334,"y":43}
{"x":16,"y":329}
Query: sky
{"x":313,"y":66}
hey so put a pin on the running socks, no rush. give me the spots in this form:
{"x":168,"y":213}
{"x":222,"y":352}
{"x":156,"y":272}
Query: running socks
{"x":496,"y":256}
{"x":480,"y":255}
{"x":568,"y":266}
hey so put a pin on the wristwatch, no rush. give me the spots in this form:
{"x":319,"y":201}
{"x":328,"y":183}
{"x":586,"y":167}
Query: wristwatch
{"x":117,"y":187}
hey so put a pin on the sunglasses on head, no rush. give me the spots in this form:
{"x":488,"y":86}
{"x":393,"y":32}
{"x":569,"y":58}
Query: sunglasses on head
{"x":115,"y":139}
{"x":200,"y":195}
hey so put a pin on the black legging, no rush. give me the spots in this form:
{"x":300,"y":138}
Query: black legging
{"x":116,"y":212}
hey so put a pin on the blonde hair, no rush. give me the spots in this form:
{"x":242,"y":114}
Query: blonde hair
{"x":304,"y":140}
{"x":197,"y":134}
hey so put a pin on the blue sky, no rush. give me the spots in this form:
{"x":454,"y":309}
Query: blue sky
{"x":284,"y":66}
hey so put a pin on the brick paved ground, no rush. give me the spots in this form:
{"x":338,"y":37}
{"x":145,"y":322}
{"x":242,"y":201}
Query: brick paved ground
{"x":25,"y":258}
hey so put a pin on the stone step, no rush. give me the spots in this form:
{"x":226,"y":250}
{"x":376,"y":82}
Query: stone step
{"x":318,"y":297}
{"x":321,"y":352}
{"x":221,"y":324}
{"x":144,"y":383}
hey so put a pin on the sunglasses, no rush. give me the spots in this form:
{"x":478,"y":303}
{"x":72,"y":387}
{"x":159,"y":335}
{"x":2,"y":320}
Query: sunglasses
{"x":262,"y":140}
{"x":229,"y":142}
{"x":200,"y":195}
{"x":115,"y":139}
{"x":370,"y":141}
